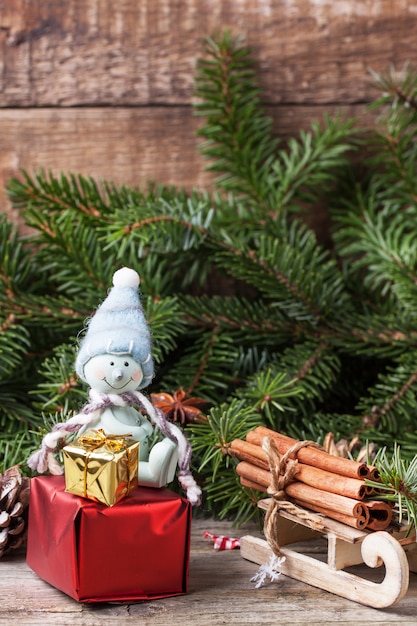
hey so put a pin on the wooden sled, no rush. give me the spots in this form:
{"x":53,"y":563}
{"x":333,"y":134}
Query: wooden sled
{"x":346,"y":547}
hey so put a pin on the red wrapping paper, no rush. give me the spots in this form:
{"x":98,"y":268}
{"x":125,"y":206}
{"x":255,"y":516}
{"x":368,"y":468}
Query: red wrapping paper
{"x":136,"y":550}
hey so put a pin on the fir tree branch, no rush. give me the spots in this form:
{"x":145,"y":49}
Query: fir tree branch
{"x":398,"y":483}
{"x":315,"y":357}
{"x":374,"y":418}
{"x":204,"y":360}
{"x":238,"y":134}
{"x":56,"y":195}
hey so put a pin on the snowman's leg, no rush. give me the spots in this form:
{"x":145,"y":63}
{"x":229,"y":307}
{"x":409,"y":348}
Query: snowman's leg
{"x":160,"y":468}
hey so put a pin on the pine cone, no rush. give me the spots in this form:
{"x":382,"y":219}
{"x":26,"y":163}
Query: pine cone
{"x":14,"y":500}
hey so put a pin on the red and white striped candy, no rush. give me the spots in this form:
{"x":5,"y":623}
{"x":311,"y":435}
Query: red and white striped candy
{"x":221,"y":542}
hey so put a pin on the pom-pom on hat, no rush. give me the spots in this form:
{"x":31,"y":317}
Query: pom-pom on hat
{"x":119,"y":327}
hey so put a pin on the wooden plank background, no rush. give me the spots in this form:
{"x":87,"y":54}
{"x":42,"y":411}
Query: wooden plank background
{"x":105,"y":88}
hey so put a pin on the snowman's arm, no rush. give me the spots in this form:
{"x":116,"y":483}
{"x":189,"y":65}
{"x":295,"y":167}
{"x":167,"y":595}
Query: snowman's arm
{"x":159,"y":470}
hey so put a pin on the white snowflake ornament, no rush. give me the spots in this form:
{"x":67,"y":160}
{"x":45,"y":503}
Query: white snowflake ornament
{"x":268,"y":569}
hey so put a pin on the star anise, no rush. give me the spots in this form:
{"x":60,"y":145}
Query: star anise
{"x":179,"y":408}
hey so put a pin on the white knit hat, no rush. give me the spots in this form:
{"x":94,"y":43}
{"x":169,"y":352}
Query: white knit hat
{"x":119,"y":327}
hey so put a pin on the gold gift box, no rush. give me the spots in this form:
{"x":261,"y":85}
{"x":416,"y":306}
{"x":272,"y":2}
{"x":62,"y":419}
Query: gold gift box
{"x":101,"y":467}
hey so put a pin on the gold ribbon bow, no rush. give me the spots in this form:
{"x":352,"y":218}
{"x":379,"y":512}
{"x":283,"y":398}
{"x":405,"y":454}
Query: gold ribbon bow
{"x":93,"y":439}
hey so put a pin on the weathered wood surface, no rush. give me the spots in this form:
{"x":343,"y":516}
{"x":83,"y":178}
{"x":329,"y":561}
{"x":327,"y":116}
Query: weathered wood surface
{"x":105,"y":88}
{"x":84,"y":52}
{"x":220,"y":592}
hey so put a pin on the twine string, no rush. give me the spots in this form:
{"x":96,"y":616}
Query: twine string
{"x":283,"y":469}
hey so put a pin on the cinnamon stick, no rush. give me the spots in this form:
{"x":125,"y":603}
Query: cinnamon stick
{"x":380,"y":514}
{"x":249,"y":452}
{"x":313,"y":476}
{"x":328,"y":481}
{"x":374,"y":474}
{"x":255,"y":474}
{"x":323,"y":483}
{"x":245,"y":482}
{"x":359,"y":522}
{"x":309,"y":455}
{"x":324,"y":499}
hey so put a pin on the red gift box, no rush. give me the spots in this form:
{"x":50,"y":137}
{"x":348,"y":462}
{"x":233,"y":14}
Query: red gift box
{"x":136,"y":550}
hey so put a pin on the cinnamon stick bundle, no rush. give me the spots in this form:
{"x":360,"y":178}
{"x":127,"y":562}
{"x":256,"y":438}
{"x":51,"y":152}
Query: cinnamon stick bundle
{"x":341,"y":508}
{"x":324,"y":483}
{"x":322,"y":479}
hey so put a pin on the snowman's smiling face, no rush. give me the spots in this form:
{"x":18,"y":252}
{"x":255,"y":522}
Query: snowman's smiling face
{"x":111,"y":373}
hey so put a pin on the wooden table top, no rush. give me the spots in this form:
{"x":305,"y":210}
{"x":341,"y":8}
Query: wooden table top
{"x":220,"y":592}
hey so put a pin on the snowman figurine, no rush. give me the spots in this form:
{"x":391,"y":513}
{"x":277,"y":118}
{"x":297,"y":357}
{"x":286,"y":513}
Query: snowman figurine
{"x":117,"y":374}
{"x":115,"y":360}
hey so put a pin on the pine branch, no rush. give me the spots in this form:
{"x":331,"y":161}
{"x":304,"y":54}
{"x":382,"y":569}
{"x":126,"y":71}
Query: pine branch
{"x":14,"y":342}
{"x":237,"y":132}
{"x":240,"y":143}
{"x":56,"y":195}
{"x":310,"y":164}
{"x":396,"y":149}
{"x":390,"y":406}
{"x":380,"y":245}
{"x":398,"y":483}
{"x":293,"y":271}
{"x":245,"y":320}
